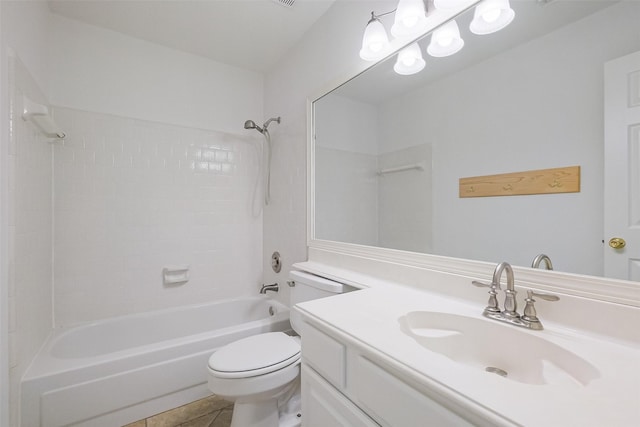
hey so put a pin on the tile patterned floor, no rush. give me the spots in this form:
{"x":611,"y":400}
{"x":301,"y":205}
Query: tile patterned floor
{"x":211,"y":411}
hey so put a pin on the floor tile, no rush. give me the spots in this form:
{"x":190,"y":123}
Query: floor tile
{"x":223,"y":419}
{"x":204,"y":421}
{"x":210,"y":411}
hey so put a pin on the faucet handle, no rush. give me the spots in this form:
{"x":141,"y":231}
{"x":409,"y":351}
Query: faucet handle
{"x":529,"y":316}
{"x":492,"y":308}
{"x":485,"y":285}
{"x":546,"y":297}
{"x":480,"y":284}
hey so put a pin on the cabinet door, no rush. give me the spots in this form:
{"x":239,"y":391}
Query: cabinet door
{"x":393,"y":403}
{"x":324,"y":406}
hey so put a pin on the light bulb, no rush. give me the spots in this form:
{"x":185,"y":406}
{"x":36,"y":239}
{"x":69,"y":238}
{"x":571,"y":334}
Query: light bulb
{"x":409,"y":60}
{"x":410,"y":19}
{"x":445,"y":40}
{"x":491,"y":16}
{"x":448,"y":4}
{"x":374,"y":41}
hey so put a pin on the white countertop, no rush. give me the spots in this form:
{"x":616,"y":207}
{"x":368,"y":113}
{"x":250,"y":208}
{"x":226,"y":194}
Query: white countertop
{"x":370,"y":318}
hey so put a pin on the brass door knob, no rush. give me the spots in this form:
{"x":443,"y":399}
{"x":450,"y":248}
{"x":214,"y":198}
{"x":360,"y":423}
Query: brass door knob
{"x":617,"y":243}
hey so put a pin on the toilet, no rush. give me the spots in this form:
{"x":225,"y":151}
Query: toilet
{"x":261,"y":373}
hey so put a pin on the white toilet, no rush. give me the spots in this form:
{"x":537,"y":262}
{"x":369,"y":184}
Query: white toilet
{"x":261,"y":373}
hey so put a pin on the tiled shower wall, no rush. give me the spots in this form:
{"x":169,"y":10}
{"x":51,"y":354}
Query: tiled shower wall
{"x":30,"y":231}
{"x":132,"y":197}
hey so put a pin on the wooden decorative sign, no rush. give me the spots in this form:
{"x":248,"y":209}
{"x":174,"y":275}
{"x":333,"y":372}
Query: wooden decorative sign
{"x":543,"y":181}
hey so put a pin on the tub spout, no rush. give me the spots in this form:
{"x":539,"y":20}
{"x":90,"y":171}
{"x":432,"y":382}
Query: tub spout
{"x":272,"y":287}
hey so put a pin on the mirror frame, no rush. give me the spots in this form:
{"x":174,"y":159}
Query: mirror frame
{"x":592,"y":287}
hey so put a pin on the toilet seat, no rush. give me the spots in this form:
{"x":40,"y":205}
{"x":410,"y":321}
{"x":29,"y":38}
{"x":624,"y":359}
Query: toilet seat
{"x":255,"y":355}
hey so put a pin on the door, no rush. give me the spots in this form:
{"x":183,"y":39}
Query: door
{"x":622,"y":168}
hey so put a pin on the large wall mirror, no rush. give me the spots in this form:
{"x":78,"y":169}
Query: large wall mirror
{"x":389,"y":150}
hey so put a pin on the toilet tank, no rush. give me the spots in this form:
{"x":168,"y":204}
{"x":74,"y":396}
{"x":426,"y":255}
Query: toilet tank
{"x":309,"y":287}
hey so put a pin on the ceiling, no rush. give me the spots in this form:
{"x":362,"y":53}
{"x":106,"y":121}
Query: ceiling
{"x":252,"y":34}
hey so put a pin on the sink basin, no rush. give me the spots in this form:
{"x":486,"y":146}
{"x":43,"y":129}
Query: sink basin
{"x":514,"y":353}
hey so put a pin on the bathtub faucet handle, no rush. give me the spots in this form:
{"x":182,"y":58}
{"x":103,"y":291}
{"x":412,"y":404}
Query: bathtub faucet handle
{"x":272,"y":287}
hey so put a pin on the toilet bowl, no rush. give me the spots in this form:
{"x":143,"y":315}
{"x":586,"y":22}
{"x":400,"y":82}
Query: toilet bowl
{"x":255,"y":373}
{"x":261,"y":373}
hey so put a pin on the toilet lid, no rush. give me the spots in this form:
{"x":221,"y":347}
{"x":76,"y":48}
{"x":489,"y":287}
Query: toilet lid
{"x":255,"y":355}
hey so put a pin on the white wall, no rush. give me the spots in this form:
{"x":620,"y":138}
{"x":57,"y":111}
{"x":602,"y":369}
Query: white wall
{"x":30,"y":232}
{"x":353,"y":203}
{"x":327,"y":53}
{"x":107,"y":72}
{"x":4,"y":231}
{"x":568,"y":74}
{"x":353,"y":125}
{"x":346,"y":196}
{"x":346,"y":164}
{"x":404,"y":208}
{"x":25,"y":280}
{"x":30,"y":41}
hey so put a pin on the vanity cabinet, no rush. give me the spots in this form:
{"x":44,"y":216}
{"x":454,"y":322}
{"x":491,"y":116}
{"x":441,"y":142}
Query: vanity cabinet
{"x":324,"y":406}
{"x":346,"y":386}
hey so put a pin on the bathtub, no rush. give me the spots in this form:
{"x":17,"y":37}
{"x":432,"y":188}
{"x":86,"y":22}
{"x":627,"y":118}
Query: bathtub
{"x":120,"y":370}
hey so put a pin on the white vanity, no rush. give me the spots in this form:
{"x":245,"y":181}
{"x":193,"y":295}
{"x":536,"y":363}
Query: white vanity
{"x":393,"y":355}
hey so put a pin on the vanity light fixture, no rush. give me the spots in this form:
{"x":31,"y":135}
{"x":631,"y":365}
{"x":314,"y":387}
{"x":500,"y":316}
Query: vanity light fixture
{"x":409,"y":60}
{"x":447,"y":4}
{"x":445,"y":40}
{"x":375,"y":41}
{"x":410,"y":19}
{"x":491,"y":16}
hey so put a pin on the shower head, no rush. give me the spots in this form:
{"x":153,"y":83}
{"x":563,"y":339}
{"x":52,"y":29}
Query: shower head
{"x":250,"y":124}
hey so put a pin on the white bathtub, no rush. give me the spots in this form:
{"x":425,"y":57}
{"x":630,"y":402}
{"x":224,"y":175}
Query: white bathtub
{"x":120,"y":370}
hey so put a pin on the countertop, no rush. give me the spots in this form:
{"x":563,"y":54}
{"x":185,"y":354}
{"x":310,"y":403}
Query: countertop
{"x":372,"y":319}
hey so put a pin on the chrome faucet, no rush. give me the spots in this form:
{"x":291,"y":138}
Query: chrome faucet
{"x":538,"y":260}
{"x":510,"y":303}
{"x":272,"y":287}
{"x":510,"y":314}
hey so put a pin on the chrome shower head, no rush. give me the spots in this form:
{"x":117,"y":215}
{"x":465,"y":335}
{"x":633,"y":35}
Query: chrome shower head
{"x":250,"y":124}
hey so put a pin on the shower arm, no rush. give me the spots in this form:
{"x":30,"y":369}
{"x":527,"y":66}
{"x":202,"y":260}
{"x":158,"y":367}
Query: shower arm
{"x":273,"y":119}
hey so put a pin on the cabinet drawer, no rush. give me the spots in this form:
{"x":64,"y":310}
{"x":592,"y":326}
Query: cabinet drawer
{"x":392,"y":402}
{"x":325,"y":355}
{"x":324,"y":406}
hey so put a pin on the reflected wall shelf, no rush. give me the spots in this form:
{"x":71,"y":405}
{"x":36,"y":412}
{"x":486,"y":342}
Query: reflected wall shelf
{"x":541,"y":181}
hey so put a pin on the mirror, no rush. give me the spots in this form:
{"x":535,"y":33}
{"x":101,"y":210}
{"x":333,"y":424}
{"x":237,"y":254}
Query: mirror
{"x":389,"y":150}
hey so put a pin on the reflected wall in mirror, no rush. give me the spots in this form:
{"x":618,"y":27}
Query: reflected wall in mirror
{"x":528,"y":97}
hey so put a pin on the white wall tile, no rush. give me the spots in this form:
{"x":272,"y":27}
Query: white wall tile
{"x":171,"y":195}
{"x":30,"y":259}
